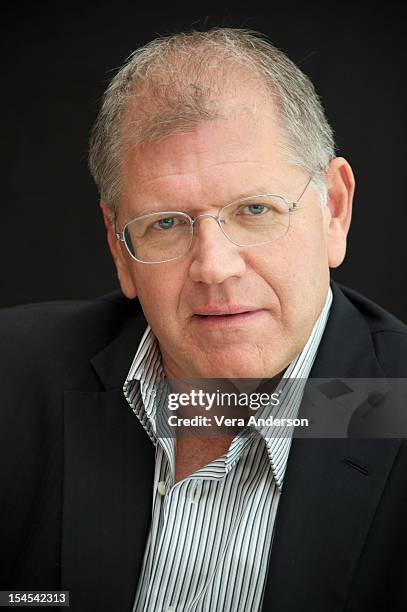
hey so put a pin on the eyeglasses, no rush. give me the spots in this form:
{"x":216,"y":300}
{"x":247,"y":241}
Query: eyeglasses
{"x":167,"y":235}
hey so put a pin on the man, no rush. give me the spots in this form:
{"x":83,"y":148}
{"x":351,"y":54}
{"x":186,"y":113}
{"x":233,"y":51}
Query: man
{"x":225,"y":208}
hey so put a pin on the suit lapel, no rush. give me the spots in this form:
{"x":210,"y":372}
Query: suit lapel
{"x":331,"y":488}
{"x":108,"y":479}
{"x":323,"y":519}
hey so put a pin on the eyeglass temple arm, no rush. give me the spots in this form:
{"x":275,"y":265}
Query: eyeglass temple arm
{"x":305,"y":188}
{"x":295,"y":205}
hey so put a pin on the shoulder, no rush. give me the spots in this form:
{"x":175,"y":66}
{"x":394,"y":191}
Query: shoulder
{"x":50,"y":320}
{"x":61,"y":334}
{"x":388,"y":334}
{"x":378,"y":319}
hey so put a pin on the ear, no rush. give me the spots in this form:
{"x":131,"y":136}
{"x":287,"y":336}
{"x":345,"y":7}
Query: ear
{"x":120,"y":256}
{"x":341,"y":187}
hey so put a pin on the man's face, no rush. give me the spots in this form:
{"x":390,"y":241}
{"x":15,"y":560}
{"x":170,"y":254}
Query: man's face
{"x":273,"y":293}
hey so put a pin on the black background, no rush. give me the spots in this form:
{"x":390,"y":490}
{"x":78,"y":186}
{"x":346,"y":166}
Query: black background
{"x":58,"y":58}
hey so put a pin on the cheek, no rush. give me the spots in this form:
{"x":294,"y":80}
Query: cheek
{"x":158,"y":290}
{"x":309,"y":274}
{"x":306,"y":243}
{"x":296,"y":269}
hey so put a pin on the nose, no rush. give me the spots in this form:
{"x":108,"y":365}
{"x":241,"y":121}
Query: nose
{"x":214,"y":257}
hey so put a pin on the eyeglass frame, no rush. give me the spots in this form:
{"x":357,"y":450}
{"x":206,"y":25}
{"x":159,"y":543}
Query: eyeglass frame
{"x":292,"y":207}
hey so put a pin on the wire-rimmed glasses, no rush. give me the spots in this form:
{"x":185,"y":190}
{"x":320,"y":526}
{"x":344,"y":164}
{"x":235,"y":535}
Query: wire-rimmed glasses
{"x":164,"y":236}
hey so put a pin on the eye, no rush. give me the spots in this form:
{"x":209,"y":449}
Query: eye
{"x":167,"y":223}
{"x":256,"y":209}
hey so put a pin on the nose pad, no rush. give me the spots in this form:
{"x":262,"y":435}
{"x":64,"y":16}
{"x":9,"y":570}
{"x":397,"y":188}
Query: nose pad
{"x":208,"y":236}
{"x":206,"y":215}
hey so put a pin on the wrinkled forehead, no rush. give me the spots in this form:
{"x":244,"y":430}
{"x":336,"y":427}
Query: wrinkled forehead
{"x":148,"y":125}
{"x":240,"y":137}
{"x":215,"y":163}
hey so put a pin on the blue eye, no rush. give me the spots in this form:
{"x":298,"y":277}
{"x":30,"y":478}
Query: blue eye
{"x":167,"y":223}
{"x":256,"y":209}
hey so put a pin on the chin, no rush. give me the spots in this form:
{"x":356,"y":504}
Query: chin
{"x":243,"y":366}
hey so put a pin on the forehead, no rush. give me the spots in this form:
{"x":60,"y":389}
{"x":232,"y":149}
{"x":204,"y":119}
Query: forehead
{"x":217,"y":161}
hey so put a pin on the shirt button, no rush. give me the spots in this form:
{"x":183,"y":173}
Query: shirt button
{"x":161,"y":490}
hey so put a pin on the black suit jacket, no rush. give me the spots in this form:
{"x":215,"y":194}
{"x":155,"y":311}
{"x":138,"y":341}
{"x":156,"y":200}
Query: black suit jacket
{"x":76,"y":467}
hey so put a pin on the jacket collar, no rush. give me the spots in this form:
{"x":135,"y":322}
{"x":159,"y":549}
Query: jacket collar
{"x":112,"y":363}
{"x":346,"y":349}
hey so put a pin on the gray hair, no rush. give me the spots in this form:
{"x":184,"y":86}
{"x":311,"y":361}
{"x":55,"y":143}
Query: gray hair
{"x":180,"y":78}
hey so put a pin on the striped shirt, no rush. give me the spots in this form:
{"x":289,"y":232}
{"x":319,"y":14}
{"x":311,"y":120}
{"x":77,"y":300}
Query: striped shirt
{"x":211,"y":533}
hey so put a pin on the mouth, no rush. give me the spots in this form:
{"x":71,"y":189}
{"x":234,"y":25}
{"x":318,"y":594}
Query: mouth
{"x":234,"y":317}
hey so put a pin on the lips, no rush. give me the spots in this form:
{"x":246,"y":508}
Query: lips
{"x":228,"y":317}
{"x":221,"y":311}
